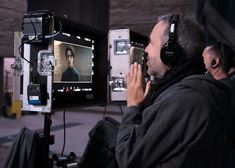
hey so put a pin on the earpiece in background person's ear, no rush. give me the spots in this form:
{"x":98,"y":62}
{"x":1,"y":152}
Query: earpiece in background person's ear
{"x":213,"y":63}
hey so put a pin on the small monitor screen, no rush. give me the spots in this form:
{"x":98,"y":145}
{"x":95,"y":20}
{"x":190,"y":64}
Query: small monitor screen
{"x":73,"y":63}
{"x":120,"y":47}
{"x":136,"y":55}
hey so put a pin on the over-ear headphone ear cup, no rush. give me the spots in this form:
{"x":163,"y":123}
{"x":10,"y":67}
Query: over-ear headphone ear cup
{"x":170,"y":54}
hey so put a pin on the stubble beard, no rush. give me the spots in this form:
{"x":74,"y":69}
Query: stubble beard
{"x":155,"y":69}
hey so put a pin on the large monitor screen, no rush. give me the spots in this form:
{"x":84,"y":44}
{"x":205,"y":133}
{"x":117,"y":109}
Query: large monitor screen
{"x":73,"y":63}
{"x":79,"y":75}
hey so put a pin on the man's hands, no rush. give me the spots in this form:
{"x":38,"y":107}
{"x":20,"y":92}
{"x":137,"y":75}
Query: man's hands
{"x":135,"y":87}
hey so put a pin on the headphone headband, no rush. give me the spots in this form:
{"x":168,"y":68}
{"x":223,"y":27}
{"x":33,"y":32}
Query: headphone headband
{"x":173,"y":22}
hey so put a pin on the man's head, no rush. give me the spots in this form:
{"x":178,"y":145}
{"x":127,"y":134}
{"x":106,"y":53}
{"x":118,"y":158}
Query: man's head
{"x":218,"y":59}
{"x":189,"y":38}
{"x":69,"y":53}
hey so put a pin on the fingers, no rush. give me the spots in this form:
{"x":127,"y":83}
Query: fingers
{"x":139,"y":74}
{"x":135,"y":89}
{"x":134,"y":72}
{"x":127,"y":77}
{"x":131,"y":73}
{"x":147,"y":89}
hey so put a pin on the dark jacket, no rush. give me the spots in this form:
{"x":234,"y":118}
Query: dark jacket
{"x":70,"y":74}
{"x":230,"y":121}
{"x":183,"y":128}
{"x":232,"y":78}
{"x":27,"y":151}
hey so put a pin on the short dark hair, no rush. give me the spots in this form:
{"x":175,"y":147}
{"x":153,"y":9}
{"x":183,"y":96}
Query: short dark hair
{"x":225,"y":53}
{"x":190,"y":36}
{"x":70,"y":48}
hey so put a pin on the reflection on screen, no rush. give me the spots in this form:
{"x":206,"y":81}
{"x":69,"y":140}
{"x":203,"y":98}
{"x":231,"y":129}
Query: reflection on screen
{"x":74,"y":66}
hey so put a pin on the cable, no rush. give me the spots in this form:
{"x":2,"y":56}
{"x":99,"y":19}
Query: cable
{"x":120,"y":106}
{"x":57,"y":33}
{"x":62,"y":153}
{"x":21,"y":55}
{"x":105,"y":110}
{"x":34,"y":28}
{"x":28,"y":41}
{"x":30,"y":63}
{"x":35,"y":34}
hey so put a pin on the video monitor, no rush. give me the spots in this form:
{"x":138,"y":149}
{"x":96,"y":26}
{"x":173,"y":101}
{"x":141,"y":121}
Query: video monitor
{"x":120,"y":47}
{"x":73,"y":63}
{"x":73,"y":75}
{"x":136,"y":55}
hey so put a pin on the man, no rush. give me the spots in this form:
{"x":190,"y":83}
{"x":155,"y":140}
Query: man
{"x":231,"y":75}
{"x":176,"y":123}
{"x":218,"y":59}
{"x":231,"y":72}
{"x":71,"y":73}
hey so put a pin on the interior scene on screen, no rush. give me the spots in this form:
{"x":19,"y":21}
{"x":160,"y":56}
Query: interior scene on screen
{"x":121,"y":47}
{"x":73,"y":63}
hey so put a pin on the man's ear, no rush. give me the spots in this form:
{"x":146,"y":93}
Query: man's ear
{"x":215,"y":62}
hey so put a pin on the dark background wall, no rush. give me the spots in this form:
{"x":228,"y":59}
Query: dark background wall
{"x":91,"y":13}
{"x":11,"y":13}
{"x":141,"y":16}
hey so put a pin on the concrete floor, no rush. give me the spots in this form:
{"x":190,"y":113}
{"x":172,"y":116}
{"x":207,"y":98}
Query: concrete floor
{"x":79,"y":121}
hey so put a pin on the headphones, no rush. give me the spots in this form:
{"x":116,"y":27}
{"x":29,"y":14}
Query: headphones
{"x":171,"y":51}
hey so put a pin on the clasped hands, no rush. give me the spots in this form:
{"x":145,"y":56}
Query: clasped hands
{"x":136,"y":90}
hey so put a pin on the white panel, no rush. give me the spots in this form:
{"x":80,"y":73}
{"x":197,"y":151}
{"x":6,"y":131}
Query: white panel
{"x":26,"y":106}
{"x":26,"y":76}
{"x":119,"y":53}
{"x":16,"y":80}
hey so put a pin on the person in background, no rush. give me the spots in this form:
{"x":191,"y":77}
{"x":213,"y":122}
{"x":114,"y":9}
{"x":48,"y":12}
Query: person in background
{"x":231,"y":75}
{"x":219,"y":62}
{"x":71,"y":73}
{"x":176,"y":122}
{"x":218,"y":59}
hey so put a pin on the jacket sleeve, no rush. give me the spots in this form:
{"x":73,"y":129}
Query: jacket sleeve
{"x":168,"y":126}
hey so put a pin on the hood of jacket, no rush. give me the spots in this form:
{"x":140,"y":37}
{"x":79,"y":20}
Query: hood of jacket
{"x":216,"y":92}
